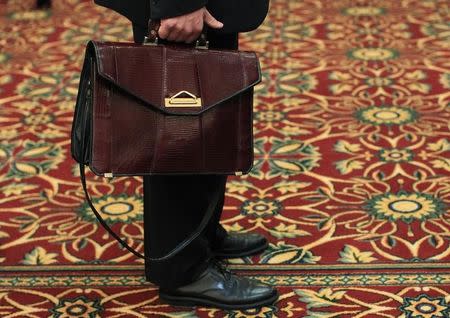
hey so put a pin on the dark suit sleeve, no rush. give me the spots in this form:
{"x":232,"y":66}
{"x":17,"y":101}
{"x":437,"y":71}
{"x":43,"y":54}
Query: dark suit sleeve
{"x":162,"y":9}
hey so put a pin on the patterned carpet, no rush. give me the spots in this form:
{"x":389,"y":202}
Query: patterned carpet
{"x":351,"y":181}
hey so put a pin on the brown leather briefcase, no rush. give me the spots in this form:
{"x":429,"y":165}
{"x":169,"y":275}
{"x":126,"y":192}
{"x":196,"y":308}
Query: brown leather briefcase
{"x":164,"y":109}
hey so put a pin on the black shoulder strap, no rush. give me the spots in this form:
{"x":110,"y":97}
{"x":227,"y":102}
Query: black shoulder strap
{"x":177,"y":249}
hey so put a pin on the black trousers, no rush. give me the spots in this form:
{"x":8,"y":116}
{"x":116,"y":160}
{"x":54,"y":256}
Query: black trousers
{"x":175,"y":205}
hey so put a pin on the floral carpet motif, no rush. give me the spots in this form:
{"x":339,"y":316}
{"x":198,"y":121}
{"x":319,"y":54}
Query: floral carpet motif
{"x":351,"y":182}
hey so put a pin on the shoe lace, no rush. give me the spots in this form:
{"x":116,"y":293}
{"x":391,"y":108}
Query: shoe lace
{"x":222,"y":268}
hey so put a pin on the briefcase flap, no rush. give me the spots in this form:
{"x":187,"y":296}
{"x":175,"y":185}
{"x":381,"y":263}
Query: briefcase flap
{"x":176,"y":79}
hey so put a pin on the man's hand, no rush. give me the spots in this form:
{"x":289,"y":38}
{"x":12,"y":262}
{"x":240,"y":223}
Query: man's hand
{"x":188,"y":27}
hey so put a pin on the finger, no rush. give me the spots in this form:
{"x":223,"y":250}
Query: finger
{"x":171,"y":31}
{"x":211,"y":21}
{"x":163,"y":32}
{"x":195,"y":33}
{"x":192,"y":38}
{"x":175,"y":35}
{"x":181,"y":37}
{"x":166,"y":28}
{"x":184,"y":34}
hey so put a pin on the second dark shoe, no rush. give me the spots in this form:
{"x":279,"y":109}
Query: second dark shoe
{"x":240,"y":244}
{"x":217,"y":287}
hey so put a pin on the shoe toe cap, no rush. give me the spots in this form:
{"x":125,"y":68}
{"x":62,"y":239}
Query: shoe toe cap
{"x":258,"y":290}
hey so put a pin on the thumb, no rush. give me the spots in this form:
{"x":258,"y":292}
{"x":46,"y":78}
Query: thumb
{"x":211,"y":21}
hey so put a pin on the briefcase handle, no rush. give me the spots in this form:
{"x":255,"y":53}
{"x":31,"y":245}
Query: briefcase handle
{"x":153,"y":39}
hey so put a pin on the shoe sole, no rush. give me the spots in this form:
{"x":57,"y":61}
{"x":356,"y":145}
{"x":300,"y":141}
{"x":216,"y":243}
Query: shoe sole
{"x":181,"y":301}
{"x":254,"y":251}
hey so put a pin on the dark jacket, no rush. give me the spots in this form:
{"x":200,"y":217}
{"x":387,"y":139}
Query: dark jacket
{"x":236,"y":15}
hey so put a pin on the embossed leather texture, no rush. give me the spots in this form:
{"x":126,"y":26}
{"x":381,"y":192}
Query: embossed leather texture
{"x":123,"y":127}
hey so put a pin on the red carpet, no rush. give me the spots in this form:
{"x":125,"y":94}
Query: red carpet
{"x":351,"y":181}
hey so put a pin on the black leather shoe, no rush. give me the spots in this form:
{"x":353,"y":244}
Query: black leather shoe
{"x":218,"y":287}
{"x":240,"y":244}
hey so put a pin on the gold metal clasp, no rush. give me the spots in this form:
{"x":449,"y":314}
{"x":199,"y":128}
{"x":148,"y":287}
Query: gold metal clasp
{"x":178,"y":100}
